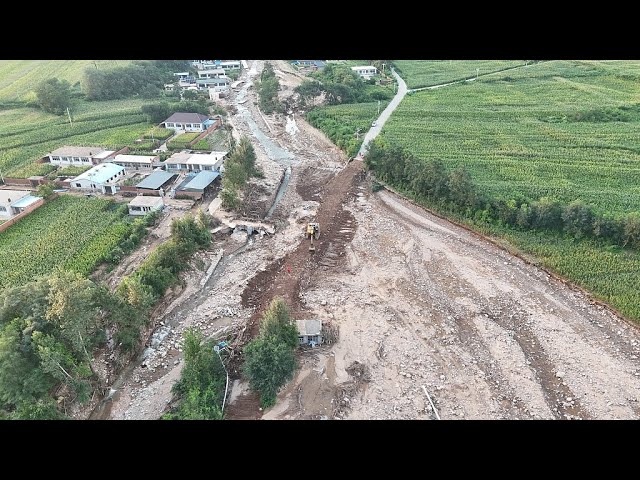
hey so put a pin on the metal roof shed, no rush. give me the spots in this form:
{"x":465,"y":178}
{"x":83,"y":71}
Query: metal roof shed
{"x":156,"y":180}
{"x":201,"y":181}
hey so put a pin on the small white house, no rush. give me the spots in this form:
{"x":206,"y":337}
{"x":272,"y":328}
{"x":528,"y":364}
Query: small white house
{"x":218,"y":83}
{"x":211,"y":73}
{"x":309,"y":332}
{"x":142,"y":205}
{"x":226,"y":65}
{"x":136,"y":162}
{"x":188,"y":122}
{"x":366,"y":71}
{"x":195,"y":162}
{"x":101,"y":177}
{"x":7,"y":200}
{"x":78,"y":156}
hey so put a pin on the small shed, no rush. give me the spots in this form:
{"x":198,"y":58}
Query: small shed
{"x":157,"y":180}
{"x":142,"y":205}
{"x":201,"y":181}
{"x":309,"y":332}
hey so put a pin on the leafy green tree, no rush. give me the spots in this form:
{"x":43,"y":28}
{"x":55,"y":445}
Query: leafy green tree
{"x":547,"y":214}
{"x":461,"y":188}
{"x":44,"y":190}
{"x":157,"y":112}
{"x":202,"y":383}
{"x":269,"y":364}
{"x":53,"y":95}
{"x":631,"y":232}
{"x":578,"y":219}
{"x":609,"y":228}
{"x":276,"y":322}
{"x":229,"y":198}
{"x":43,"y":409}
{"x":269,"y":359}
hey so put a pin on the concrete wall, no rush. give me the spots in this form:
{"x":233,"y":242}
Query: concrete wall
{"x":17,"y":181}
{"x":217,"y":124}
{"x":135,"y":190}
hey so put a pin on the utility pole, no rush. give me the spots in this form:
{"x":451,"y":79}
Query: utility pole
{"x":477,"y":71}
{"x":69,"y":114}
{"x":378,"y":107}
{"x":217,"y":349}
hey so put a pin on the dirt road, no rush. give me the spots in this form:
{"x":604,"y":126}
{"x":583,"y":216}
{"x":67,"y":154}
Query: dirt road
{"x":420,"y":301}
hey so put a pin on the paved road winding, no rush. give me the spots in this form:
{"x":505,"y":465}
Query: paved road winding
{"x":384,"y":116}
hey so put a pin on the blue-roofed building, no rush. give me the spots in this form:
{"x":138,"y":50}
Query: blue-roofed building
{"x":24,"y":203}
{"x":200,"y":182}
{"x":314,"y":64}
{"x":102,"y":177}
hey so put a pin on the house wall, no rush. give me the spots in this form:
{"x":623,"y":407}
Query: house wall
{"x":71,"y":160}
{"x":136,"y":191}
{"x":17,"y":181}
{"x":305,"y":339}
{"x":143,"y":210}
{"x":134,"y":165}
{"x":85,"y":184}
{"x":193,"y":127}
{"x":24,"y":213}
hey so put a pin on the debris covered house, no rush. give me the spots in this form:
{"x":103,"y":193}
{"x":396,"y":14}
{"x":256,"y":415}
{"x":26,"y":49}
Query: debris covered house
{"x":142,"y":205}
{"x":309,"y":332}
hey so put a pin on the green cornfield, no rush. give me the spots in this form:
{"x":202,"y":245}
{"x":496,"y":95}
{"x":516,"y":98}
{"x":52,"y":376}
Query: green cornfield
{"x":562,"y":129}
{"x":568,"y":130}
{"x":69,"y":232}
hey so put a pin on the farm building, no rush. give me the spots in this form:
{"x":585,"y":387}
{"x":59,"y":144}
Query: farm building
{"x":199,"y":183}
{"x":218,"y":84}
{"x":365,"y":71}
{"x":136,"y":162}
{"x":211,"y":73}
{"x":189,"y":122}
{"x":101,"y":177}
{"x":226,"y":65}
{"x":314,"y":64}
{"x":195,"y":162}
{"x":309,"y":332}
{"x":142,"y":205}
{"x":8,"y":200}
{"x":157,"y":180}
{"x":78,"y":155}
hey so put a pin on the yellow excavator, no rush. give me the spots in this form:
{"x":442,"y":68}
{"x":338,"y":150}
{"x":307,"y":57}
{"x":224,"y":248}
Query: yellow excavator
{"x":312,"y":232}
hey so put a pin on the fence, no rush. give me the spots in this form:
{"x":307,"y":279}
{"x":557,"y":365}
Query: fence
{"x":216,"y":124}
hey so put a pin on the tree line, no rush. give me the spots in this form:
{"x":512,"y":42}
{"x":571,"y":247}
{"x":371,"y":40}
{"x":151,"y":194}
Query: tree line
{"x":238,"y":168}
{"x":267,"y":87}
{"x":455,"y":191}
{"x":340,"y":84}
{"x":145,"y":78}
{"x":50,"y":328}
